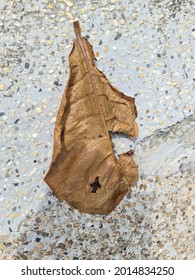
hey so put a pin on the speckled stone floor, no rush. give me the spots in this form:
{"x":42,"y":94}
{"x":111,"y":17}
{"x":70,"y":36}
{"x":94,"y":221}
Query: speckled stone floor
{"x":146,"y":49}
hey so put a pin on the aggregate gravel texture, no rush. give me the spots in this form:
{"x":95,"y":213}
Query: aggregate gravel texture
{"x":146,"y":49}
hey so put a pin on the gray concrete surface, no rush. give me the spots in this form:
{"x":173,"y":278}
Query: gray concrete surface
{"x":146,"y":49}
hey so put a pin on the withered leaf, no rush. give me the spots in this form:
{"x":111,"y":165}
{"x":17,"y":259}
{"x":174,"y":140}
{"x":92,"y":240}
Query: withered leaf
{"x":84,"y":170}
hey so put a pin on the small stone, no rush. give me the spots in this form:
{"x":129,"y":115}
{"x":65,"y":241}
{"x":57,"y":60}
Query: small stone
{"x":106,"y":48}
{"x":50,"y":6}
{"x":62,"y":246}
{"x":38,"y":220}
{"x":117,"y":36}
{"x":50,"y":42}
{"x":26,"y":65}
{"x":32,"y":172}
{"x":69,"y":15}
{"x":70,"y":4}
{"x":123,"y":15}
{"x":104,"y":3}
{"x":56,"y":83}
{"x":2,"y":86}
{"x":41,"y":195}
{"x":111,"y":8}
{"x":133,"y":228}
{"x":53,"y":120}
{"x":16,"y":121}
{"x":2,"y":114}
{"x":16,"y":23}
{"x":44,"y":234}
{"x":15,"y":215}
{"x":82,"y":11}
{"x":134,"y":16}
{"x":115,"y":23}
{"x":144,"y":187}
{"x":150,"y":180}
{"x":38,"y":239}
{"x":114,"y":16}
{"x":37,"y":8}
{"x":6,"y":69}
{"x":38,"y":110}
{"x":2,"y":246}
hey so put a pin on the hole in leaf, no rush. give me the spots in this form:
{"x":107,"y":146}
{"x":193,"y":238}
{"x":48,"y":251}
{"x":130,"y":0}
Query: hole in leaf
{"x":95,"y":185}
{"x":122,"y":143}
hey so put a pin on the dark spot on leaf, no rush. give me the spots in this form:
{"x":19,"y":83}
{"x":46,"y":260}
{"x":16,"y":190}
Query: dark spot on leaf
{"x":100,"y":135}
{"x":95,"y":185}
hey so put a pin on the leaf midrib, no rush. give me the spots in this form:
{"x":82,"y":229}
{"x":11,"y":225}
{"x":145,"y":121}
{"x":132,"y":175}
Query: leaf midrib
{"x":82,"y":47}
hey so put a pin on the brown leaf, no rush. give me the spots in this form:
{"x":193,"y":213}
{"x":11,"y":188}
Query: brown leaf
{"x":84,"y":170}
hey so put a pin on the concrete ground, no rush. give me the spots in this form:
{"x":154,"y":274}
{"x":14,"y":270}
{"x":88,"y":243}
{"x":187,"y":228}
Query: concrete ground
{"x":146,"y":49}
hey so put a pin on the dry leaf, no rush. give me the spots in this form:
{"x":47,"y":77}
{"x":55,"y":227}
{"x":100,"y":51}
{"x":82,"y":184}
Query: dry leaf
{"x":84,"y":170}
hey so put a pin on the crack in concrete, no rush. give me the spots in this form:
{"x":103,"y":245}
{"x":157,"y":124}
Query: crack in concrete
{"x":166,"y":129}
{"x":168,"y":151}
